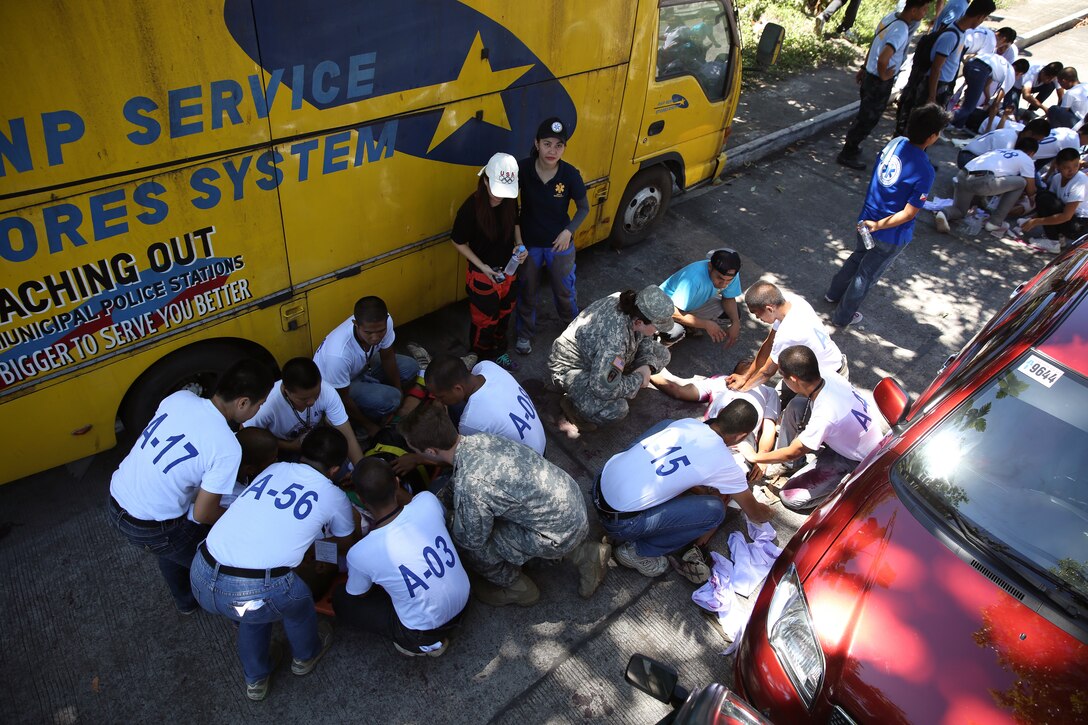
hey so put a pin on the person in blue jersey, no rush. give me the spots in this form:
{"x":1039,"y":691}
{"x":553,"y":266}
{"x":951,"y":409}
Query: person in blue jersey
{"x":897,"y":192}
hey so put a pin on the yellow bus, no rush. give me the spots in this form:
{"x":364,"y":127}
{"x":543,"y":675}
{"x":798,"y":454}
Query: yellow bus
{"x":185,"y":182}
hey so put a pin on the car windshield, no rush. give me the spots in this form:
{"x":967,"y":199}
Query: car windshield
{"x":1010,"y":468}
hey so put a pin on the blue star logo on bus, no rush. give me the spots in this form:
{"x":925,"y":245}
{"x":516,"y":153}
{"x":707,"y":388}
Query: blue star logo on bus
{"x":457,"y":84}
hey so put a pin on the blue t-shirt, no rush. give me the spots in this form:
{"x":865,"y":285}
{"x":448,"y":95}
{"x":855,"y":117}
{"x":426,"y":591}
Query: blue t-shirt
{"x":691,"y":287}
{"x":903,"y":175}
{"x":949,"y":43}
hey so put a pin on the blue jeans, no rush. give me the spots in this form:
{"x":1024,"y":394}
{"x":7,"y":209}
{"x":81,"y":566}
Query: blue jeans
{"x":669,"y":526}
{"x":976,"y":75}
{"x":172,"y":542}
{"x":373,"y":396}
{"x":859,"y":272}
{"x":284,"y":598}
{"x":561,"y":269}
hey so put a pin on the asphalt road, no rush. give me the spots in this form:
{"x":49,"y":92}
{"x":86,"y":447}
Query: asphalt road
{"x":89,"y":635}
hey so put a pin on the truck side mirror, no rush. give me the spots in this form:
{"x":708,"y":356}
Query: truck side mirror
{"x":892,"y":400}
{"x":654,"y":678}
{"x":770,"y":44}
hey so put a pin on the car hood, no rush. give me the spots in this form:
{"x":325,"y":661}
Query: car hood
{"x":913,"y":633}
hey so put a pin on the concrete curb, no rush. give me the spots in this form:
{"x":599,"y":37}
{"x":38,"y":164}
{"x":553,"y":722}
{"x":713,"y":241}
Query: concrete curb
{"x":776,"y":141}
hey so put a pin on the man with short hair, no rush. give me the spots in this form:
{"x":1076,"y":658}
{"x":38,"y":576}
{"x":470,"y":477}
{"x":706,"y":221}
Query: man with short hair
{"x":510,"y":505}
{"x":492,"y":400}
{"x":640,"y":498}
{"x":835,"y":423}
{"x":898,"y":189}
{"x":1059,"y":139}
{"x":987,"y":77}
{"x":187,"y":455}
{"x":1007,"y":174}
{"x":357,"y":359}
{"x":300,"y":401}
{"x":1038,"y":83}
{"x":1002,"y":139}
{"x":877,"y":77}
{"x":793,"y":322}
{"x":1071,"y":110}
{"x":244,"y":569}
{"x":703,"y":293}
{"x":405,"y":581}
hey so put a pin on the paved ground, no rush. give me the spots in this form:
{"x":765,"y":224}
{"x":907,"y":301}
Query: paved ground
{"x":88,"y":634}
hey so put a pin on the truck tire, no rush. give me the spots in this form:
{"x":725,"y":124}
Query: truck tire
{"x":644,"y":203}
{"x":196,"y":368}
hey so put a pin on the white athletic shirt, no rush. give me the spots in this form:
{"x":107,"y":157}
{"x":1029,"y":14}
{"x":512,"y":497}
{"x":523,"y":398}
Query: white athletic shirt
{"x":801,"y":326}
{"x":1031,"y":78}
{"x":1075,"y":190}
{"x":990,"y":124}
{"x":187,"y":445}
{"x":660,"y":467}
{"x":341,"y":358}
{"x":1076,"y":99}
{"x":1004,"y":162}
{"x":978,"y":41}
{"x":280,"y":418}
{"x":892,"y":31}
{"x":502,"y":407}
{"x":842,"y":420}
{"x":1002,"y":138}
{"x":763,"y":397}
{"x":278,"y":517}
{"x":1059,"y":138}
{"x":414,"y":560}
{"x":1001,"y":73}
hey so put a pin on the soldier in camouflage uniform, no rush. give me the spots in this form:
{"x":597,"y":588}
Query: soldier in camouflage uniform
{"x":509,"y":505}
{"x":607,"y":354}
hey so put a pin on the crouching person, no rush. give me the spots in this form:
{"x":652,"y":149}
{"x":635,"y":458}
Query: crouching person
{"x":510,"y":505}
{"x":640,"y":493}
{"x":244,"y":568}
{"x":405,"y":578}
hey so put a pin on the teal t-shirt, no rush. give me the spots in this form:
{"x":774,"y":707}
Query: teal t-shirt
{"x":691,"y":287}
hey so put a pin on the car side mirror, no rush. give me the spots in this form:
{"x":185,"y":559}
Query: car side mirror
{"x":770,"y":44}
{"x":892,"y":400}
{"x":655,"y":679}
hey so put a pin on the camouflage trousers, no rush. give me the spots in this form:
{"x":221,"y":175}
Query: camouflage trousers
{"x":510,"y":546}
{"x":589,"y":406}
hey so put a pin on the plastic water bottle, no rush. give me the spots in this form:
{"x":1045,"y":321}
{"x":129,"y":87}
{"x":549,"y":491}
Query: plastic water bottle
{"x":512,"y":265}
{"x":866,"y":235}
{"x":973,"y":222}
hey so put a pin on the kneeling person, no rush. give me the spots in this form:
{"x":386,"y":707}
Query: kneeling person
{"x":405,"y":578}
{"x":510,"y":505}
{"x":639,"y":493}
{"x":244,"y":569}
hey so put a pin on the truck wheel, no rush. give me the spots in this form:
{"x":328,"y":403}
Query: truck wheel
{"x":644,"y":202}
{"x":196,"y":368}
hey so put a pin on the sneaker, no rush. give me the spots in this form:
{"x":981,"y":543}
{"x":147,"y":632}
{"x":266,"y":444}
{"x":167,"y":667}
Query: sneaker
{"x":436,"y":652}
{"x":591,"y":558}
{"x":422,"y":357}
{"x":574,"y":417}
{"x":258,"y":690}
{"x":828,"y":300}
{"x":853,"y":162}
{"x":779,"y":470}
{"x":305,"y":667}
{"x":470,"y":360}
{"x":187,"y":610}
{"x":523,"y":346}
{"x":997,"y":229}
{"x":649,"y":566}
{"x":1043,"y":244}
{"x":692,"y":566}
{"x":523,"y":592}
{"x":506,"y":363}
{"x":850,"y":35}
{"x":941,"y":222}
{"x":858,"y":317}
{"x":818,"y":27}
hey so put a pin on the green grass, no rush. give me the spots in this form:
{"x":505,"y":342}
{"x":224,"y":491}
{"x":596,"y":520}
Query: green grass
{"x":801,"y":49}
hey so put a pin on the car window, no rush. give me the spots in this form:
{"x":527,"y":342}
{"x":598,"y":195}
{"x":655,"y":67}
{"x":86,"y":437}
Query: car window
{"x":693,"y":39}
{"x":1009,"y":464}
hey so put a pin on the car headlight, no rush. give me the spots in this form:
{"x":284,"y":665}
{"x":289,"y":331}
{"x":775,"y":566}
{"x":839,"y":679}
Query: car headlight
{"x":791,"y":636}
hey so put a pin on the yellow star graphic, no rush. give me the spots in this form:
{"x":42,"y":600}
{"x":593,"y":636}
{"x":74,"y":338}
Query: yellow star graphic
{"x":476,"y":79}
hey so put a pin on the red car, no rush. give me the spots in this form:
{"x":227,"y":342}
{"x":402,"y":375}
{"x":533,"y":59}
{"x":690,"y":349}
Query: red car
{"x":946,"y":581}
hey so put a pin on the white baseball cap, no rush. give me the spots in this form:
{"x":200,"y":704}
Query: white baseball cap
{"x":502,"y":176}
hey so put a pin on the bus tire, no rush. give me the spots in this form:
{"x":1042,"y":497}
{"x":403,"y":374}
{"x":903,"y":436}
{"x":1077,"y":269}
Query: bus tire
{"x":196,"y":368}
{"x":643,"y":204}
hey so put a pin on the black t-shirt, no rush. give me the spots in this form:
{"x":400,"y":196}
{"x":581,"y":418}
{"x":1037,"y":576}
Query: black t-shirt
{"x":492,"y":252}
{"x":545,"y":207}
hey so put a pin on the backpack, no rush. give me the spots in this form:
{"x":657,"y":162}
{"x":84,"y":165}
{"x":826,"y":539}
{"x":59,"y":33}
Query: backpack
{"x":923,"y":55}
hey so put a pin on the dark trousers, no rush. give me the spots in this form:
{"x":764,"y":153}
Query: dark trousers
{"x":1047,"y":203}
{"x":976,"y":75}
{"x":490,"y":306}
{"x":1063,"y":117}
{"x":875,"y":94}
{"x":848,"y":17}
{"x":374,"y":612}
{"x":913,"y":96}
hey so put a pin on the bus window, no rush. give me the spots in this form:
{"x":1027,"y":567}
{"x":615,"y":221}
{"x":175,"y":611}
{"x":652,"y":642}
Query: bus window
{"x":693,"y":39}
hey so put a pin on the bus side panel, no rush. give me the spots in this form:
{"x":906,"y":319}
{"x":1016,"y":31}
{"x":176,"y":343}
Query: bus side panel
{"x":40,"y":424}
{"x":98,"y":88}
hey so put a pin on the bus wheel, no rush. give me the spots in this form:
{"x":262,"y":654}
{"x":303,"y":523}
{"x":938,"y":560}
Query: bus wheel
{"x":643,"y":204}
{"x":196,"y":368}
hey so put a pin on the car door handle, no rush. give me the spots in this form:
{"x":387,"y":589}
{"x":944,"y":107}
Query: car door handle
{"x":655,"y":128}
